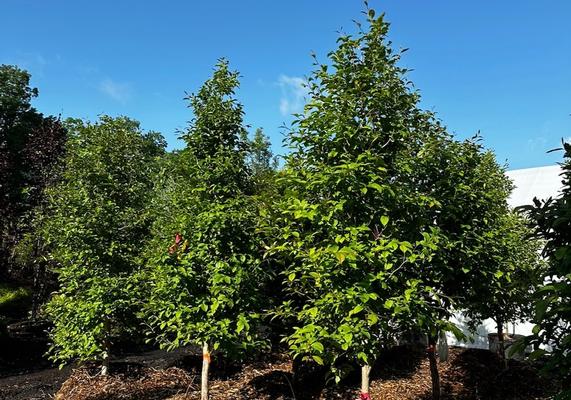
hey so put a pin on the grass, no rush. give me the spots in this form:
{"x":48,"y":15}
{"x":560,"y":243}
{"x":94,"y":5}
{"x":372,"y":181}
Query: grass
{"x":12,"y":298}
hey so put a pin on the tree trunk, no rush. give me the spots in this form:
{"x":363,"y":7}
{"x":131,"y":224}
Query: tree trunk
{"x":365,"y":372}
{"x":106,"y":348}
{"x":205,"y":366}
{"x":501,"y":343}
{"x":433,"y":367}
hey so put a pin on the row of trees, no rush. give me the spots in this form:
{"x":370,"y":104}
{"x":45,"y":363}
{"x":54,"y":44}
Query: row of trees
{"x":379,"y":223}
{"x":31,"y":147}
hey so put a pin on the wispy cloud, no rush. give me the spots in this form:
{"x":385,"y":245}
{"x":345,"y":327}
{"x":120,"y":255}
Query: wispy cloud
{"x":35,"y":63}
{"x":294,"y":92}
{"x":535,"y":143}
{"x":118,"y":91}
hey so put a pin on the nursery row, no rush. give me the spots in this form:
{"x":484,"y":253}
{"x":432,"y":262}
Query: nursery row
{"x":377,"y":223}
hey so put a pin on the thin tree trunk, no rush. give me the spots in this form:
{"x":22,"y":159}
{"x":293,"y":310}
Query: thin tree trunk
{"x":205,"y":366}
{"x":105,"y":365}
{"x":106,"y":348}
{"x":365,"y":372}
{"x":501,"y":343}
{"x":433,"y":367}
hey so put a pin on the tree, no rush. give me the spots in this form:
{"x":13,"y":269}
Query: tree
{"x":262,"y":162}
{"x":344,"y":229}
{"x":376,"y":183}
{"x":206,"y":268}
{"x":15,"y":96}
{"x":94,"y":226}
{"x":471,"y":192}
{"x":508,"y":294}
{"x":31,"y":147}
{"x":552,"y":219}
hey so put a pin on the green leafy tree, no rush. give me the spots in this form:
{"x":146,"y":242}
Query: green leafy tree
{"x":471,"y":191}
{"x":262,"y":162}
{"x":345,"y":229}
{"x":383,"y":213}
{"x":94,"y":226}
{"x":508,"y":294}
{"x":206,"y":270}
{"x":552,"y":219}
{"x":31,"y":146}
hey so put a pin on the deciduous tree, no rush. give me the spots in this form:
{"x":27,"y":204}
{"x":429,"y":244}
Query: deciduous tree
{"x":206,"y":269}
{"x":345,"y":228}
{"x":552,"y":219}
{"x":94,"y":226}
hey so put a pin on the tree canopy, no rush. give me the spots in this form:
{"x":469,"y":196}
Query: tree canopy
{"x":94,"y":227}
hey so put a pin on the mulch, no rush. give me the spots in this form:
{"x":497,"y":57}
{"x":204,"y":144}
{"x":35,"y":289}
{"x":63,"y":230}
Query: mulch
{"x":400,"y":374}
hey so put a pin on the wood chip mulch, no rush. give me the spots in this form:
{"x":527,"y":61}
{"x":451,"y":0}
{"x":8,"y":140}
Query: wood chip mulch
{"x":400,"y":374}
{"x":144,"y":384}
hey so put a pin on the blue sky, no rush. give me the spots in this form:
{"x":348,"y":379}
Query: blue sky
{"x":501,"y":67}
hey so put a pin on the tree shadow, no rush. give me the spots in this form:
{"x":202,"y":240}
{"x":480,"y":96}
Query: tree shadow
{"x":22,"y":355}
{"x":275,"y":385}
{"x":310,"y":380}
{"x":220,"y":367}
{"x":398,"y":362}
{"x":481,"y":374}
{"x":306,"y":382}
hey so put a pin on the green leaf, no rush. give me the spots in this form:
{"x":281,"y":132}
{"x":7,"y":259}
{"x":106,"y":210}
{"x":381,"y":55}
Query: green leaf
{"x":375,"y":186}
{"x":318,"y":347}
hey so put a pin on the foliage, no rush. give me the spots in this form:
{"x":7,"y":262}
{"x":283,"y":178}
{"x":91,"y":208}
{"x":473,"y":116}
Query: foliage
{"x":471,"y":191}
{"x":507,"y":295}
{"x":343,"y":228}
{"x":94,"y":227}
{"x":31,"y":146}
{"x":15,"y":95}
{"x":384,"y":219}
{"x":380,"y":221}
{"x":552,"y":218}
{"x":262,"y":163}
{"x":205,"y":269}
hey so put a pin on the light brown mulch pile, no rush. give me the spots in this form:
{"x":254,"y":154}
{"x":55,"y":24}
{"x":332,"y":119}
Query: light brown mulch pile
{"x":401,"y":374}
{"x":144,"y":384}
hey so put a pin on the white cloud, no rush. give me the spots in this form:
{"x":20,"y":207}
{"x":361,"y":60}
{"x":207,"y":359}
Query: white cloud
{"x":294,"y":92}
{"x":118,"y":91}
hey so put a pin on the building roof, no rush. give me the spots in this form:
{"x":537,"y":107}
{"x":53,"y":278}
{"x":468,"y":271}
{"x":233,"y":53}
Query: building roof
{"x":540,"y":182}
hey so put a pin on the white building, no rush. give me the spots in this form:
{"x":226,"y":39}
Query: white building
{"x":541,"y":182}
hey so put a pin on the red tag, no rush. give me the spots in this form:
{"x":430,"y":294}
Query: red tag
{"x":365,"y":396}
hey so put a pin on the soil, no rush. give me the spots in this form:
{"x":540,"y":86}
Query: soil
{"x":401,"y":373}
